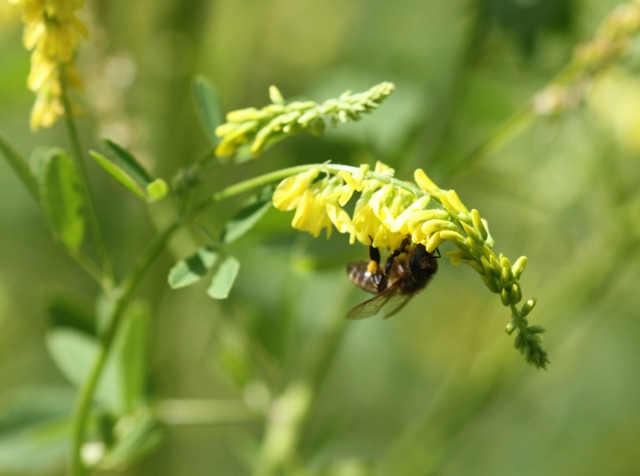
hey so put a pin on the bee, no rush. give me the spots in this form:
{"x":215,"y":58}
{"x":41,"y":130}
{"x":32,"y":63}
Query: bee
{"x":407,"y":270}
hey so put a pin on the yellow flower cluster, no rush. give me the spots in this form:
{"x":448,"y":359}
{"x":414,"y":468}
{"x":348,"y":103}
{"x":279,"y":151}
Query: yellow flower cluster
{"x":52,"y":30}
{"x":388,"y":210}
{"x":261,"y":127}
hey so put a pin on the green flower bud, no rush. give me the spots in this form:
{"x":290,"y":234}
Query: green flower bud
{"x":527,"y":307}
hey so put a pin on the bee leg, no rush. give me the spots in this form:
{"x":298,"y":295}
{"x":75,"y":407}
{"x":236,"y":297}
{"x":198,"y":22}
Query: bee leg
{"x":394,"y":254}
{"x":374,"y":268}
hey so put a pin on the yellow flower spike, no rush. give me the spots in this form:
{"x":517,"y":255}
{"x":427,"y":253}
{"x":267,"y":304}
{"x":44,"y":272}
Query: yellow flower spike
{"x":388,"y":210}
{"x":52,"y":31}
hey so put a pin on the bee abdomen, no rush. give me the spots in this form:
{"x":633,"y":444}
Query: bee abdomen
{"x":360,"y":276}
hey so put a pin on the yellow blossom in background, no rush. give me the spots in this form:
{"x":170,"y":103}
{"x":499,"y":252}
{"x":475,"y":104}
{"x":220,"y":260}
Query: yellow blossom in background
{"x":9,"y":16}
{"x":52,"y":31}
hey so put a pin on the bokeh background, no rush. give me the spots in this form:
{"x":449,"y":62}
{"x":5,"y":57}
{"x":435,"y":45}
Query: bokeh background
{"x":435,"y":390}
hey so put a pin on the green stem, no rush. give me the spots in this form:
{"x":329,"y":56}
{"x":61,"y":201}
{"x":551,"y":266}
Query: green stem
{"x":506,"y":132}
{"x":74,"y":140}
{"x":123,"y":296}
{"x":289,"y":412}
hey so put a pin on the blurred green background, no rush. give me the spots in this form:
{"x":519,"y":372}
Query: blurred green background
{"x":435,"y":390}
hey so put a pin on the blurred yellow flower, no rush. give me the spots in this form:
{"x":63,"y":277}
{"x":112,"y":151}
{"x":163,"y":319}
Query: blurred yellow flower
{"x":52,"y":31}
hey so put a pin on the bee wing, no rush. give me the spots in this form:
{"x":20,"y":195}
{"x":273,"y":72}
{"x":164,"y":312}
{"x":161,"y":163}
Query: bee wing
{"x":373,"y":306}
{"x":401,"y":302}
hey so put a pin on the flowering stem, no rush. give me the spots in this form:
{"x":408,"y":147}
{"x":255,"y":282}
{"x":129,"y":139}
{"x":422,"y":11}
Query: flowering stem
{"x":122,"y":295}
{"x":266,"y":179}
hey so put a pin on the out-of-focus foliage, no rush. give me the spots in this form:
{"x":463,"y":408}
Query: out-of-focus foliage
{"x":435,"y":390}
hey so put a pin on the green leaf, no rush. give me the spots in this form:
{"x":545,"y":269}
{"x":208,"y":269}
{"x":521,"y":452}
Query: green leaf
{"x":126,"y":170}
{"x":128,"y":163}
{"x":224,"y":277}
{"x":117,"y":173}
{"x":130,"y":353}
{"x":190,"y":270}
{"x":207,"y":107}
{"x":248,"y":216}
{"x":62,"y":198}
{"x":35,"y":423}
{"x":74,"y":353}
{"x":20,"y":166}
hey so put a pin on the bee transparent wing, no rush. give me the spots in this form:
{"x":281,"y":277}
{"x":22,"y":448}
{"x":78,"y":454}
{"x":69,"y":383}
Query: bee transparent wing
{"x":373,"y":306}
{"x":400,"y":303}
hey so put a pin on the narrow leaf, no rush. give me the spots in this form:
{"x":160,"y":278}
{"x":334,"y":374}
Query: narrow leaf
{"x":207,"y":107}
{"x":223,"y":279}
{"x":120,"y":175}
{"x":127,"y":162}
{"x":131,"y":351}
{"x":248,"y":216}
{"x":190,"y":270}
{"x":20,"y":166}
{"x":63,"y":199}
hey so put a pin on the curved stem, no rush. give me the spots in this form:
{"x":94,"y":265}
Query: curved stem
{"x":122,"y":298}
